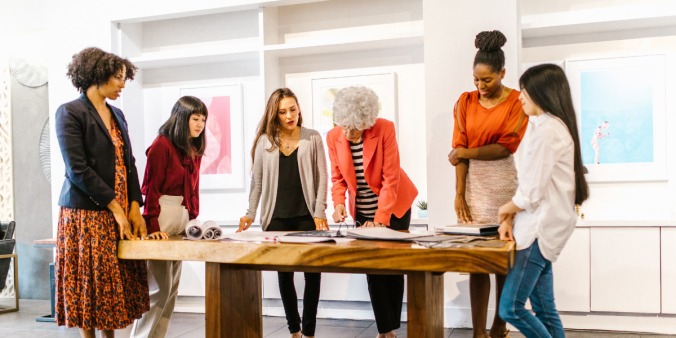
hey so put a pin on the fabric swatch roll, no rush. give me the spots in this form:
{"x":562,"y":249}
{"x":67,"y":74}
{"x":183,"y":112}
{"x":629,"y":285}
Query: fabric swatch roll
{"x":195,"y":229}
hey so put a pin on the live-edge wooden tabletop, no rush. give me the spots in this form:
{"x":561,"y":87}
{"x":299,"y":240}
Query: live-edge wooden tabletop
{"x":358,"y":256}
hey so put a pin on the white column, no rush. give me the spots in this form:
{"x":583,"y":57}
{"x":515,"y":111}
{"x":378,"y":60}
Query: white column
{"x":450,"y":29}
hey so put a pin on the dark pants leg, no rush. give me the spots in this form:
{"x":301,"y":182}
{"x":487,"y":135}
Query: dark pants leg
{"x":287,"y":288}
{"x":387,"y":291}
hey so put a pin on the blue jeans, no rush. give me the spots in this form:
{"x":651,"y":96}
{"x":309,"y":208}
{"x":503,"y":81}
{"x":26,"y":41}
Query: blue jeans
{"x":531,"y":277}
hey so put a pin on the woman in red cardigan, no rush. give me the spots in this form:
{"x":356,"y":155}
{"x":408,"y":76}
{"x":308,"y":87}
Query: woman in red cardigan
{"x":365,"y":162}
{"x":171,"y":187}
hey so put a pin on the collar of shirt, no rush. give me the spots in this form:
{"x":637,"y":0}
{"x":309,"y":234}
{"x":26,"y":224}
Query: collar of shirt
{"x":539,"y":120}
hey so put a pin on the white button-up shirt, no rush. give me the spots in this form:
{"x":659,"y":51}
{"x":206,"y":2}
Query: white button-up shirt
{"x":546,"y":188}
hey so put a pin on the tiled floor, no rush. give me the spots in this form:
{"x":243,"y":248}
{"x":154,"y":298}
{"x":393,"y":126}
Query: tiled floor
{"x":185,"y":325}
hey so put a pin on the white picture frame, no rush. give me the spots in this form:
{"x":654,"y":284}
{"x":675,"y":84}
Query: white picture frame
{"x":622,"y":92}
{"x":214,"y":173}
{"x":384,"y":84}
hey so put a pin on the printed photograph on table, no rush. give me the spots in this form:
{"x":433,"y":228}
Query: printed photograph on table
{"x":621,"y":108}
{"x":223,"y":162}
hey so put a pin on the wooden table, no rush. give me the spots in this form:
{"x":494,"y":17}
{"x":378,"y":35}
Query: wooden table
{"x":233,"y":274}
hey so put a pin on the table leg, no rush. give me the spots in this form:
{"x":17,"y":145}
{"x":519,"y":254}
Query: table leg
{"x":425,"y":305}
{"x":233,"y":302}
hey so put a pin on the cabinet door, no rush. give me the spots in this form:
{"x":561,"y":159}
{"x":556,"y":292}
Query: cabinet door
{"x":625,"y":270}
{"x":571,"y":274}
{"x":668,"y":270}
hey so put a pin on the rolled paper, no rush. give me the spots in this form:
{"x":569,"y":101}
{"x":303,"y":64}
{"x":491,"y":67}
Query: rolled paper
{"x":211,"y":230}
{"x":194,"y":229}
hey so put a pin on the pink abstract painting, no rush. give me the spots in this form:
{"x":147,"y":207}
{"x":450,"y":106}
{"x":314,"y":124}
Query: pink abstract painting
{"x":217,"y":158}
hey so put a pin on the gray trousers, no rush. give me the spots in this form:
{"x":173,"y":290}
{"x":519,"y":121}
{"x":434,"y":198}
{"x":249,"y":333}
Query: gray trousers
{"x":163,"y":276}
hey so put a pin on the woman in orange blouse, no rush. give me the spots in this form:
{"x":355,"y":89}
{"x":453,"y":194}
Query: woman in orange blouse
{"x":489,"y":126}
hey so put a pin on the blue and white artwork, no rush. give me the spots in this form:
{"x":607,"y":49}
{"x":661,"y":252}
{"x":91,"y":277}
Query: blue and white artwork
{"x":617,"y":116}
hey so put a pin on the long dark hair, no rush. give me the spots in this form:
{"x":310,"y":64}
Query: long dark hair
{"x":269,"y":124}
{"x":177,"y":127}
{"x":547,"y":86}
{"x":490,"y":50}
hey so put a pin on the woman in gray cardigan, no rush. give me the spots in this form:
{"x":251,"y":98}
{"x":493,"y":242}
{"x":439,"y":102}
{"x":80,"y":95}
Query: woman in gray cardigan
{"x":289,"y":177}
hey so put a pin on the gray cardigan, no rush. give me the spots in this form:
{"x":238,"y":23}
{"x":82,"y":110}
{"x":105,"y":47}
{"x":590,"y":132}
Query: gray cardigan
{"x":313,"y":176}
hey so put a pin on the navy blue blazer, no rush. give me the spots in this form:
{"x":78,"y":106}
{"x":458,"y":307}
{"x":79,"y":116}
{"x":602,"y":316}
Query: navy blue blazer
{"x":89,"y":154}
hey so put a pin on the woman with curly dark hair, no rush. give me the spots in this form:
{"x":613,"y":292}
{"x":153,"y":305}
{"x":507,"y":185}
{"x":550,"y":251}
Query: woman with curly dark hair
{"x":100,"y":203}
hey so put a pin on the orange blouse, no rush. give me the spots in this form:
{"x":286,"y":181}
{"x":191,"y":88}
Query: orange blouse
{"x":476,"y":126}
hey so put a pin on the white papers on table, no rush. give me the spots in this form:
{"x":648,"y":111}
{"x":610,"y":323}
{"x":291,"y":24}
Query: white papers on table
{"x":309,"y":239}
{"x":382,"y":233}
{"x":256,"y":236}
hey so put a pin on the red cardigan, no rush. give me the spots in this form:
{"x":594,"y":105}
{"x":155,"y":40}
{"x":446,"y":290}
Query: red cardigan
{"x":167,"y":173}
{"x":382,"y":172}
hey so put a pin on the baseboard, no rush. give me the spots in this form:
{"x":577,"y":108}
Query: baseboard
{"x":462,"y":317}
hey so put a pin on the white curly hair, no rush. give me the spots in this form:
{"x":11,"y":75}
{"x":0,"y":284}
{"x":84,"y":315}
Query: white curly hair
{"x":356,"y":108}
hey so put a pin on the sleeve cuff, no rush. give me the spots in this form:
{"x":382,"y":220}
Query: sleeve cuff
{"x":152,"y":224}
{"x":382,"y":219}
{"x":522,"y":202}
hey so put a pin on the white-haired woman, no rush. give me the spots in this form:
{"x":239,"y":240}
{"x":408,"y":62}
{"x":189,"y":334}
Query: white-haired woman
{"x":365,"y":163}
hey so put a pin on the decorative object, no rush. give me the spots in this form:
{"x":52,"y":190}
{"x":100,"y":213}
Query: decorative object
{"x":422,"y":205}
{"x":223,"y":162}
{"x":45,"y":159}
{"x":621,"y":109}
{"x":31,"y":72}
{"x":324,"y":91}
{"x":6,"y":160}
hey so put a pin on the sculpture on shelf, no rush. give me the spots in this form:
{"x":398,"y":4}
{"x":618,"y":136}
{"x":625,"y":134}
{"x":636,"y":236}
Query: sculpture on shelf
{"x":30,"y":72}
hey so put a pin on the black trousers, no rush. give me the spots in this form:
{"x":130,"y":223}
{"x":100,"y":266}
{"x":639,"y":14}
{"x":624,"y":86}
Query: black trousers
{"x":287,"y":287}
{"x":387,"y":291}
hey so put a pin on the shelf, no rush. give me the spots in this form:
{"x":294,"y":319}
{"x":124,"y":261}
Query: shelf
{"x":597,"y":20}
{"x":198,"y":55}
{"x":349,"y":39}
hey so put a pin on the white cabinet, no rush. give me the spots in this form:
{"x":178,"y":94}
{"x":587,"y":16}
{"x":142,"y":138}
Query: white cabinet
{"x":572,"y":275}
{"x":625,"y":270}
{"x":668,"y":270}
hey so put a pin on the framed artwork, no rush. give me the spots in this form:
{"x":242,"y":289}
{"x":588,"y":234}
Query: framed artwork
{"x":324,"y":91}
{"x":621,"y":109}
{"x":223,"y":162}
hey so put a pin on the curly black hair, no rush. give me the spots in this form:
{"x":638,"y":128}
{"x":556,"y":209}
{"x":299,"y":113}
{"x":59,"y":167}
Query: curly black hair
{"x":490,"y":50}
{"x":94,"y":67}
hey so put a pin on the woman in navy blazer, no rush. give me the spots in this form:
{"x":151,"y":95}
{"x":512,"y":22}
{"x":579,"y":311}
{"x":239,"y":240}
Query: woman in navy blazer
{"x":100,"y":202}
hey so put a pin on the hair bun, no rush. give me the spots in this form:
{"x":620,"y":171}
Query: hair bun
{"x":490,"y":41}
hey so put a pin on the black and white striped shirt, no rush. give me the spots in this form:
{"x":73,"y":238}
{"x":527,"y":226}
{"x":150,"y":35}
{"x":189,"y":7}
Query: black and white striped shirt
{"x":366,"y":200}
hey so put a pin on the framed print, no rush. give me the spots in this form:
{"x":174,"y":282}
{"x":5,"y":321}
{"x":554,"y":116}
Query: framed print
{"x":621,"y":109}
{"x":324,"y":91}
{"x":223,"y":161}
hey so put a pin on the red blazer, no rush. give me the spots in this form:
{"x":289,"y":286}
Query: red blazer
{"x":382,"y":172}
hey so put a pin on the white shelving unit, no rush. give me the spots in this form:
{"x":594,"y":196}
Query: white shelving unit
{"x":256,"y":47}
{"x":645,"y":19}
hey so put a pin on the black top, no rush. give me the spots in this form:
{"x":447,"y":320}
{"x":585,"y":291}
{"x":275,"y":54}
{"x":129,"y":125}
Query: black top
{"x":89,"y":155}
{"x":290,"y":201}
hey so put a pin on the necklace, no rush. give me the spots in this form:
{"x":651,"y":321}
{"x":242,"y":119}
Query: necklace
{"x":285,"y":142}
{"x":498,"y":101}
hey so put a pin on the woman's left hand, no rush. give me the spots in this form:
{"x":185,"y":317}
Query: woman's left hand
{"x":321,"y":224}
{"x":373,"y":224}
{"x":138,"y":223}
{"x":455,"y":156}
{"x":505,"y":229}
{"x":158,"y":235}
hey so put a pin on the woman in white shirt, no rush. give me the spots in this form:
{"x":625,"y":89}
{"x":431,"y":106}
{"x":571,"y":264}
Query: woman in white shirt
{"x":541,"y":215}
